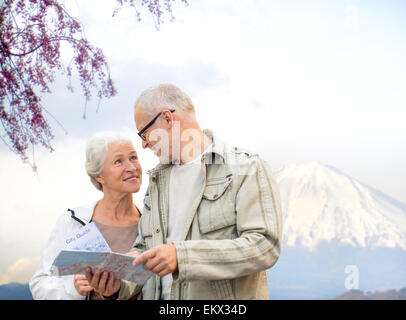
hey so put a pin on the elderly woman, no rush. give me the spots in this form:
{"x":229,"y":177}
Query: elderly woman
{"x":113,"y":167}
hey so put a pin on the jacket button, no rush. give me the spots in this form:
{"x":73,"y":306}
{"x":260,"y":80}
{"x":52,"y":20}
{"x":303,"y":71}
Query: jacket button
{"x":157,"y":230}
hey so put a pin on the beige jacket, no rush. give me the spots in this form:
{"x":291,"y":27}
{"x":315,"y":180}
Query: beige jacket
{"x":233,"y":233}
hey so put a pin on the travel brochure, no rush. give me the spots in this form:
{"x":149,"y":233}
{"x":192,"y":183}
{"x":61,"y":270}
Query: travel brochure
{"x":86,"y":247}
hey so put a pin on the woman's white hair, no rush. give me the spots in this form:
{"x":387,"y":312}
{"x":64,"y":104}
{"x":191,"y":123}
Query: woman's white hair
{"x":96,"y":151}
{"x":165,"y":96}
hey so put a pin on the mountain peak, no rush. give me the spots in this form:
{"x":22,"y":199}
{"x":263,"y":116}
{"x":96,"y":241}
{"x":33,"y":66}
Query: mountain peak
{"x":322,"y":204}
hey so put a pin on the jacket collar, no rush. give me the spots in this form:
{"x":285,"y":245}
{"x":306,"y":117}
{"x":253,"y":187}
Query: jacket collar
{"x":218,"y":148}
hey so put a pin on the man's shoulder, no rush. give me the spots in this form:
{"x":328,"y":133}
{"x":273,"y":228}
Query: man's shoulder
{"x":226,"y":150}
{"x":242,"y":151}
{"x":234,"y":154}
{"x":245,"y":161}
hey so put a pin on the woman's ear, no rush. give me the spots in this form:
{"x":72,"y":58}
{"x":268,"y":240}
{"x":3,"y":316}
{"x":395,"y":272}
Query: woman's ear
{"x":99,"y":179}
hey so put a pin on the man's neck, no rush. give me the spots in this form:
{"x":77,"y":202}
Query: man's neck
{"x":194,"y":147}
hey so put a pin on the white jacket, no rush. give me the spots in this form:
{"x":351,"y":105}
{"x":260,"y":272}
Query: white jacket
{"x":43,"y":286}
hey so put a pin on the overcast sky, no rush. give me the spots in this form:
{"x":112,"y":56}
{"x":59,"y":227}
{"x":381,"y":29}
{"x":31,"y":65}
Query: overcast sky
{"x":296,"y":81}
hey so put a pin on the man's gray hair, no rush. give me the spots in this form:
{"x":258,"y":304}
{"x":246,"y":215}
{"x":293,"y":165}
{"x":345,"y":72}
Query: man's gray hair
{"x":96,"y":151}
{"x":164,"y":96}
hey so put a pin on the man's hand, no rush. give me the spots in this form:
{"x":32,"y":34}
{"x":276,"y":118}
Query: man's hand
{"x":161,"y":260}
{"x":103,"y":282}
{"x":81,"y":284}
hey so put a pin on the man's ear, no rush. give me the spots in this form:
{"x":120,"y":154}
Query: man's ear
{"x":168,"y":118}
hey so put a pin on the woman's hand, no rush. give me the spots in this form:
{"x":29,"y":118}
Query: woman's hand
{"x":103,"y":282}
{"x":81,"y":284}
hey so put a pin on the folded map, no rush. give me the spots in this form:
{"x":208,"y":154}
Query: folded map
{"x":75,"y":262}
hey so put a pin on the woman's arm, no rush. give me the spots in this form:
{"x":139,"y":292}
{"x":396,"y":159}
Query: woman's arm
{"x":43,"y":285}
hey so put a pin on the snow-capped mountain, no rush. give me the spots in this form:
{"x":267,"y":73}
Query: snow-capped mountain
{"x":322,"y":204}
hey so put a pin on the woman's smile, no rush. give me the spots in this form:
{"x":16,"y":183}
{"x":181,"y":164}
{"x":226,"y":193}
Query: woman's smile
{"x":132,"y":179}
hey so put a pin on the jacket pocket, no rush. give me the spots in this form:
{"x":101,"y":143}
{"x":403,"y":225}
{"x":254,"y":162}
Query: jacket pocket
{"x":216,"y":211}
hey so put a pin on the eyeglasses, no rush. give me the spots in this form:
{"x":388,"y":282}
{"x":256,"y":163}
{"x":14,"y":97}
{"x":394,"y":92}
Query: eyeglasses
{"x":141,"y":132}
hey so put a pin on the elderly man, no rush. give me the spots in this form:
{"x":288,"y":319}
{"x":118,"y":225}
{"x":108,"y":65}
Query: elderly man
{"x":211,"y":222}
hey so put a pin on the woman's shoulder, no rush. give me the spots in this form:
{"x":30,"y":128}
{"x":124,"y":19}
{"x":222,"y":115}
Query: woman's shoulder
{"x":82,"y":212}
{"x":84,"y":207}
{"x":76,"y":216}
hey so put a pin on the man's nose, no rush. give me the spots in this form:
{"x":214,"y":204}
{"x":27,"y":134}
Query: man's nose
{"x":144,"y":144}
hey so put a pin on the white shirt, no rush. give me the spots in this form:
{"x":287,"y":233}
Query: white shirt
{"x":180,"y":201}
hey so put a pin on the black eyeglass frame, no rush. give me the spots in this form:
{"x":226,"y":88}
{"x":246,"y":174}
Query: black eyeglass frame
{"x":141,"y":132}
